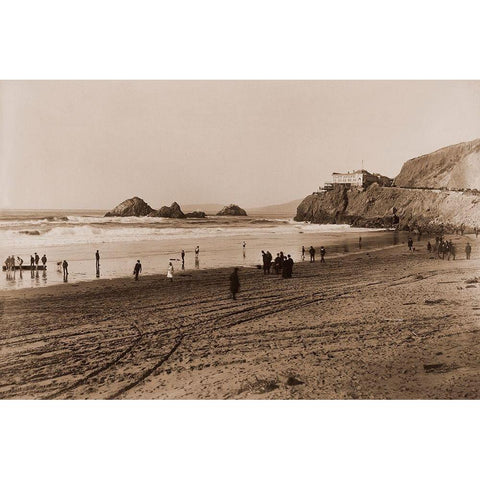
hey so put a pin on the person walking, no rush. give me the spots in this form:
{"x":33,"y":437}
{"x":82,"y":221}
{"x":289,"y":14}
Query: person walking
{"x":234,"y":283}
{"x":468,"y":250}
{"x":137,"y":269}
{"x":170,"y":271}
{"x":44,"y":261}
{"x":97,"y":260}
{"x":322,"y":254}
{"x":312,"y":254}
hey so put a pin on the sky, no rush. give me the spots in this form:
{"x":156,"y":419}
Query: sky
{"x":93,"y":144}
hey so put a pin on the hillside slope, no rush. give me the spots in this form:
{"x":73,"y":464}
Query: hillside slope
{"x":453,"y":167}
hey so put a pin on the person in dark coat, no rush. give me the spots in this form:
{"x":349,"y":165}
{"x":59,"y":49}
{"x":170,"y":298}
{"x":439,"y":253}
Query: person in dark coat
{"x":234,"y":283}
{"x":265,"y":262}
{"x":287,"y":267}
{"x":277,"y":264}
{"x":137,"y":269}
{"x":410,"y":243}
{"x":65,"y":269}
{"x":322,"y":254}
{"x":312,"y":254}
{"x":468,"y":250}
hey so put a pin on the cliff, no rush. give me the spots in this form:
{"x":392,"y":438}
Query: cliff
{"x":377,"y":207}
{"x":133,"y":207}
{"x":232,"y":210}
{"x":453,"y":167}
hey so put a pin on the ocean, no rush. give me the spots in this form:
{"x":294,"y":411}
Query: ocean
{"x":76,"y":235}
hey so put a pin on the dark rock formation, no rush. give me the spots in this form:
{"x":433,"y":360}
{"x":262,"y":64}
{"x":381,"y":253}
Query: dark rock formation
{"x":133,"y":207}
{"x":195,"y":215}
{"x":173,"y":211}
{"x":454,"y":167}
{"x":384,"y":207}
{"x":232,"y":210}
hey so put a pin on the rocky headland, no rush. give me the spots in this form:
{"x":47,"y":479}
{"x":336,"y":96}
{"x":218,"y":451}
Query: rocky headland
{"x":434,"y":192}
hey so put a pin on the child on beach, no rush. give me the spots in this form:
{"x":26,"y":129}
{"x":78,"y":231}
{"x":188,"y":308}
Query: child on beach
{"x":170,"y":271}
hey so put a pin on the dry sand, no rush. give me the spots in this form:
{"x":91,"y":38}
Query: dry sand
{"x":380,"y":324}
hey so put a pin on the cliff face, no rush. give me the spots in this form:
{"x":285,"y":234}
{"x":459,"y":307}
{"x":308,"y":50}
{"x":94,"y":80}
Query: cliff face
{"x":454,"y":167}
{"x":377,"y":206}
{"x":133,"y":207}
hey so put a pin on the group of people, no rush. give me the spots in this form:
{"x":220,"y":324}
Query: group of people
{"x":446,"y":248}
{"x":312,"y":253}
{"x":282,"y":264}
{"x":11,"y":264}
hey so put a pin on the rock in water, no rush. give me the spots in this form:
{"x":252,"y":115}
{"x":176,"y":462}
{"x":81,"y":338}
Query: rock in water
{"x":195,"y":215}
{"x":133,"y":207}
{"x":173,"y":211}
{"x":232,"y":210}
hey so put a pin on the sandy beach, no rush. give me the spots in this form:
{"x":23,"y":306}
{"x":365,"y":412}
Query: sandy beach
{"x":384,"y":324}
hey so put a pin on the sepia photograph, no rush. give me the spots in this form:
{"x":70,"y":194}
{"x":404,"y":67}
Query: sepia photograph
{"x":240,"y":240}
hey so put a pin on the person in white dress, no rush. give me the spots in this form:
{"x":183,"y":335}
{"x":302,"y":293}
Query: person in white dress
{"x":170,"y":271}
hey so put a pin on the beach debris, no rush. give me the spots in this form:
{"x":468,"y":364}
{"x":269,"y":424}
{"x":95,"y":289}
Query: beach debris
{"x":292,"y":381}
{"x":433,"y":367}
{"x":435,"y":302}
{"x":259,"y":385}
{"x":473,"y":280}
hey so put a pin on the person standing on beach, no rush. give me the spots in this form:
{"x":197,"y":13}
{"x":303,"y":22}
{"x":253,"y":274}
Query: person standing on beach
{"x":287,"y":267}
{"x":244,"y":245}
{"x":234,"y":283}
{"x":269,"y":261}
{"x":32,"y":262}
{"x":264,"y":261}
{"x":170,"y":272}
{"x":277,"y":264}
{"x":359,"y":242}
{"x":37,"y":259}
{"x":468,"y":250}
{"x":183,"y":258}
{"x":197,"y":251}
{"x":97,"y":261}
{"x":137,"y":269}
{"x":20,"y":262}
{"x":312,"y":254}
{"x":65,"y":269}
{"x":410,"y":243}
{"x":303,"y":253}
{"x":322,"y":254}
{"x":44,"y":261}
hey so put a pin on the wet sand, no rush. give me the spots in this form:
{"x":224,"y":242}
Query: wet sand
{"x":379,"y":324}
